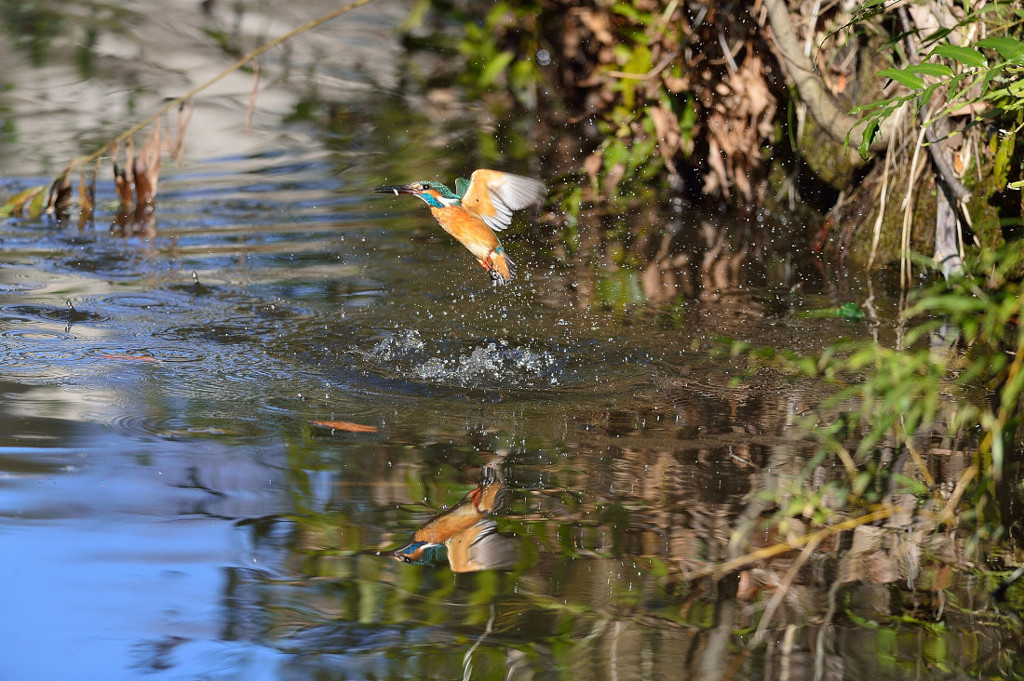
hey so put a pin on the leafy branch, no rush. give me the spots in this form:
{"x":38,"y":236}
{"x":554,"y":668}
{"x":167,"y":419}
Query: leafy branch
{"x":993,"y":85}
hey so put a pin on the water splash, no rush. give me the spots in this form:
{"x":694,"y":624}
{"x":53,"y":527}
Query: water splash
{"x":486,"y":363}
{"x":399,"y":345}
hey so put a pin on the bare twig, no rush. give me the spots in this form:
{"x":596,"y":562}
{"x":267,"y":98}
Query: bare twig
{"x":127,"y":134}
{"x":782,"y":589}
{"x":252,"y":96}
{"x":876,"y":235}
{"x":729,"y":566}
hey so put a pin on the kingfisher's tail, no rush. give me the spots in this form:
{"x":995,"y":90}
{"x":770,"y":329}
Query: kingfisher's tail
{"x":500,"y":266}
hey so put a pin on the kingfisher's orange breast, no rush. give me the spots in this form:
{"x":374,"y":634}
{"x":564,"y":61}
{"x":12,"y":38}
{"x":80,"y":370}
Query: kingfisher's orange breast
{"x":471,"y":231}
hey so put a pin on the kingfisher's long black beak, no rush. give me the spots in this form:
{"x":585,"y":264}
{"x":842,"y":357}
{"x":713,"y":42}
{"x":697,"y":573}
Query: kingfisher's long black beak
{"x":395,"y":189}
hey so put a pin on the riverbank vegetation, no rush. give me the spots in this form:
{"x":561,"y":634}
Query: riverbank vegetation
{"x":866,"y":114}
{"x":867,"y":132}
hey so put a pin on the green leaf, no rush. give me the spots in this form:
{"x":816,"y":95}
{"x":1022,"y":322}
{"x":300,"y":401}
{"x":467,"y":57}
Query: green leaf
{"x":926,"y":94}
{"x":903,"y":78}
{"x":496,"y":67}
{"x":912,"y":485}
{"x":849,"y":311}
{"x":1008,"y":48}
{"x":931,"y":69}
{"x":627,"y":10}
{"x":967,"y":56}
{"x":877,"y":105}
{"x":870,"y":133}
{"x":615,"y":153}
{"x":26,"y":203}
{"x":936,"y":35}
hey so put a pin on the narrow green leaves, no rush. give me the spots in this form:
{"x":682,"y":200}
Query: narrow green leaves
{"x":903,"y":77}
{"x":1009,"y":48}
{"x":868,"y":138}
{"x":931,"y":69}
{"x":967,"y":56}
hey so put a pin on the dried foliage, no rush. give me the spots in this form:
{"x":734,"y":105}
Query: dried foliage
{"x":666,"y":93}
{"x":712,"y":100}
{"x":35,"y":202}
{"x":136,"y":181}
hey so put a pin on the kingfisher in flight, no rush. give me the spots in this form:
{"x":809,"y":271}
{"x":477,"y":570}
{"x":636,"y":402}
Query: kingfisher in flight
{"x":479,"y":207}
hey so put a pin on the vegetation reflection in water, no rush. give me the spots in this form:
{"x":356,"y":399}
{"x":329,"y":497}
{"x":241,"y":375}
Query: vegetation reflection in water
{"x":605,"y":516}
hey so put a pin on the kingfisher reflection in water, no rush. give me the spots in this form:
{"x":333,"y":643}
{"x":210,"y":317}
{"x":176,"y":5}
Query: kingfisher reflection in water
{"x":466,"y":533}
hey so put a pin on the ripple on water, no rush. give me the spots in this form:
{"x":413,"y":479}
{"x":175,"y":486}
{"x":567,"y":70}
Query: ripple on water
{"x":37,"y":352}
{"x":33,"y":280}
{"x":34,"y":335}
{"x":132,"y":303}
{"x":167,"y":427}
{"x":226,"y":333}
{"x":51,"y":313}
{"x":149,"y":353}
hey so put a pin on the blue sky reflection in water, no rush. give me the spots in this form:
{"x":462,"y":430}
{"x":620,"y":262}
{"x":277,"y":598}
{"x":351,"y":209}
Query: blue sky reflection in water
{"x":157,"y":432}
{"x":169,"y":507}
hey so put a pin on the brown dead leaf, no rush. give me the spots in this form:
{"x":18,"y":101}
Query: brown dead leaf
{"x":666,"y":127}
{"x":146,"y":173}
{"x":598,"y":24}
{"x":133,"y":358}
{"x":58,"y":202}
{"x":592,"y":164}
{"x":676,"y":84}
{"x":347,"y":426}
{"x":942,"y":578}
{"x":124,"y":188}
{"x":86,"y":199}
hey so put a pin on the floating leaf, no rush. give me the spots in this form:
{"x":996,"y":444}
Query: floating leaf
{"x":347,"y":426}
{"x":968,"y":56}
{"x":849,"y":311}
{"x":133,"y":358}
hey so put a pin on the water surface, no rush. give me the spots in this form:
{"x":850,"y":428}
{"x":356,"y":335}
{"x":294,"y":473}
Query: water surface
{"x":172,"y":504}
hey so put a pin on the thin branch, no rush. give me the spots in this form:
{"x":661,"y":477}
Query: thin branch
{"x":778,"y":549}
{"x":127,"y":134}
